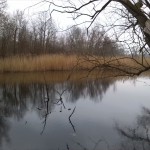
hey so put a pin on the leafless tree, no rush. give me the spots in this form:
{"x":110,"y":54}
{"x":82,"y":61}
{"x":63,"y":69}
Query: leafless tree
{"x":126,"y":21}
{"x":46,"y":31}
{"x":3,"y":4}
{"x":76,"y":39}
{"x":20,"y":31}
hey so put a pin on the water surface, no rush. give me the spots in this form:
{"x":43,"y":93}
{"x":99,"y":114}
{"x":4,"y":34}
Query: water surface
{"x":52,"y":114}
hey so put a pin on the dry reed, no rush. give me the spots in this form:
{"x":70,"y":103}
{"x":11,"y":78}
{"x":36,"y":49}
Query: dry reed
{"x":37,"y":63}
{"x":60,"y":62}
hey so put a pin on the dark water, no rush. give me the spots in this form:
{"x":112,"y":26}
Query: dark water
{"x":108,"y":114}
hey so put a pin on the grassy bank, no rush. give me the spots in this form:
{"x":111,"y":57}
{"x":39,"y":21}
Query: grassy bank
{"x":37,"y":63}
{"x":60,"y":62}
{"x":53,"y":62}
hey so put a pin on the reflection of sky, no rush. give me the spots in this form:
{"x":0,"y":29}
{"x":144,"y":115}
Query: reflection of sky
{"x":92,"y":121}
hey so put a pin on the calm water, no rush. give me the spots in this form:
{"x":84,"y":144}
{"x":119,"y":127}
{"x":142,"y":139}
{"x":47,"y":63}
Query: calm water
{"x":110,"y":114}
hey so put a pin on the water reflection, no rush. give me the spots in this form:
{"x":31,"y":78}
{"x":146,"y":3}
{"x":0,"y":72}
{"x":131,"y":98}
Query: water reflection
{"x":19,"y":95}
{"x":4,"y":129}
{"x":137,"y":137}
{"x":67,"y":115}
{"x":16,"y":98}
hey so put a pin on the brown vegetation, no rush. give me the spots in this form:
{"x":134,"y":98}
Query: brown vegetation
{"x":61,"y":62}
{"x":38,"y":46}
{"x":37,"y":63}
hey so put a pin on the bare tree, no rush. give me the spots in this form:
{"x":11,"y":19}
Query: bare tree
{"x":46,"y":31}
{"x":6,"y":36}
{"x":127,"y":22}
{"x":76,"y":39}
{"x":3,"y":4}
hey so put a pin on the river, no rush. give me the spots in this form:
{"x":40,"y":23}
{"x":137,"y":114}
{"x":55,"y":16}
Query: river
{"x":47,"y":112}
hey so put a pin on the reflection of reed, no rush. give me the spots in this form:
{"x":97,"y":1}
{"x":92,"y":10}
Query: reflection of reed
{"x":53,"y":77}
{"x":50,"y":77}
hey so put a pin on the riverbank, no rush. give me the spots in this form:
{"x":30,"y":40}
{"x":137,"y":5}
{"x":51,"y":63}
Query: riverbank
{"x":62,"y":62}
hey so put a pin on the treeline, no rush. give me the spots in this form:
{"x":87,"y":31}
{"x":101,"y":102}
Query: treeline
{"x":18,"y":36}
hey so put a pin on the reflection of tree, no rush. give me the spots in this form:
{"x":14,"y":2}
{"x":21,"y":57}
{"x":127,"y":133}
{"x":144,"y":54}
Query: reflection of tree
{"x":98,"y":88}
{"x":93,"y":89}
{"x":47,"y":106}
{"x":13,"y":104}
{"x":73,"y":127}
{"x":137,"y":138}
{"x":4,"y":128}
{"x":17,"y":99}
{"x":50,"y":103}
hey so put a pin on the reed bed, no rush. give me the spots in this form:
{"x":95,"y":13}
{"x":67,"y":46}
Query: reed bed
{"x":37,"y":63}
{"x":119,"y":63}
{"x":61,"y":62}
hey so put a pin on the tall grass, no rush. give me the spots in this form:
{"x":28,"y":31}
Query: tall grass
{"x":60,"y":62}
{"x":37,"y":63}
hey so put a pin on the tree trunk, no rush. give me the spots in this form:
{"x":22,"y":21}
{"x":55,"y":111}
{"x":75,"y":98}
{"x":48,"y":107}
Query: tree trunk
{"x":139,"y":15}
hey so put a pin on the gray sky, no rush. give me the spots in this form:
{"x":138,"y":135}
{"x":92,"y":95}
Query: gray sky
{"x":61,"y":20}
{"x":19,"y":4}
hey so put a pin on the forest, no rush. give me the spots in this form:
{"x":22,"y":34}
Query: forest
{"x":18,"y":36}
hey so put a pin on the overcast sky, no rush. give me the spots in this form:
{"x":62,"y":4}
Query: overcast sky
{"x":61,"y":20}
{"x":20,"y":4}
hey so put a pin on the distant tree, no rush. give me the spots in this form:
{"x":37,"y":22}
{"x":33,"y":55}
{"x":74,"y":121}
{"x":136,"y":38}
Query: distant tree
{"x":76,"y":39}
{"x":128,"y":22}
{"x":46,"y":32}
{"x":95,"y":40}
{"x":6,"y":36}
{"x":3,"y":4}
{"x":19,"y":33}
